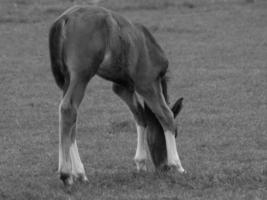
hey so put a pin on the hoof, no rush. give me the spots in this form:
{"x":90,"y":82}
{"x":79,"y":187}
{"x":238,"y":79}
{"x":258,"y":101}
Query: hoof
{"x":141,"y":165}
{"x":170,"y":167}
{"x":181,"y":170}
{"x":163,"y":168}
{"x":82,"y":178}
{"x":66,"y":179}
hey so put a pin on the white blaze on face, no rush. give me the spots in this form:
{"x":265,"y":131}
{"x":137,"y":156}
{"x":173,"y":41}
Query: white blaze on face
{"x":141,"y":154}
{"x":172,"y":154}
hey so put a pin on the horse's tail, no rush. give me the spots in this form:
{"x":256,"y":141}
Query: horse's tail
{"x":58,"y":67}
{"x":155,"y":134}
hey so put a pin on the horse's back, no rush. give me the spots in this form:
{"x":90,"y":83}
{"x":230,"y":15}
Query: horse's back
{"x":113,"y":47}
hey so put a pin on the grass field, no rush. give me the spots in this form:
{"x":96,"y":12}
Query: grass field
{"x":218,"y":63}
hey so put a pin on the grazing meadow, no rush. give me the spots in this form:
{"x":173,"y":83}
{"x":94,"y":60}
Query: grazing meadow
{"x":217,"y":50}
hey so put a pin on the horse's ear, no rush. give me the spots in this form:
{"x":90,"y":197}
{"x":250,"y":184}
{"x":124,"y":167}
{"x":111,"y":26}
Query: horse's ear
{"x":177,"y":106}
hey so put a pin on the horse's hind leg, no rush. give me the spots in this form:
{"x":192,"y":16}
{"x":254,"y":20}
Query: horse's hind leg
{"x":153,"y":96}
{"x":130,"y":98}
{"x":70,"y":165}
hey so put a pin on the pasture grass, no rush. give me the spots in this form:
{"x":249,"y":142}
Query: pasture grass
{"x":217,"y":53}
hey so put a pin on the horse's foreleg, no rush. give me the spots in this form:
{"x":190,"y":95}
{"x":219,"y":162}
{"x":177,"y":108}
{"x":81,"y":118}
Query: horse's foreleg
{"x":172,"y":153}
{"x":77,"y":166}
{"x":130,"y":98}
{"x":70,"y":165}
{"x":140,"y":154}
{"x":154,"y":98}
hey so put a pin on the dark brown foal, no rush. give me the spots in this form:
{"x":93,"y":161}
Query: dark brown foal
{"x":86,"y":41}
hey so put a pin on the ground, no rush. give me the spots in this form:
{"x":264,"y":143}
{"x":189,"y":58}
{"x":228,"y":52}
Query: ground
{"x":217,"y":51}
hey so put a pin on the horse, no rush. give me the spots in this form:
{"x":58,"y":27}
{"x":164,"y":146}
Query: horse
{"x":85,"y":41}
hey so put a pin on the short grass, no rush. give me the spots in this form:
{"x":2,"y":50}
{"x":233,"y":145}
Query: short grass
{"x":218,"y":56}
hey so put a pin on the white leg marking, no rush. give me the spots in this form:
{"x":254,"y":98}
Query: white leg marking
{"x":76,"y":163}
{"x":172,"y":154}
{"x":60,"y":156}
{"x":141,"y":154}
{"x":64,"y":162}
{"x":69,"y":159}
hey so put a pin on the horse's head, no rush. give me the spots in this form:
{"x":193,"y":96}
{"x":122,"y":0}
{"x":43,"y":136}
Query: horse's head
{"x":155,"y":135}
